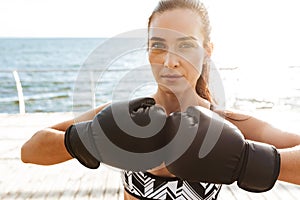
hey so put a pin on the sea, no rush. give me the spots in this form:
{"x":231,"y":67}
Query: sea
{"x":77,"y":74}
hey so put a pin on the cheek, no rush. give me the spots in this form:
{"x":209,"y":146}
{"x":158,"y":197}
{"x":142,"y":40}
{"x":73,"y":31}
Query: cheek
{"x":193,"y":75}
{"x":194,"y":66}
{"x":156,"y":63}
{"x":194,"y":58}
{"x":155,"y":68}
{"x":155,"y":58}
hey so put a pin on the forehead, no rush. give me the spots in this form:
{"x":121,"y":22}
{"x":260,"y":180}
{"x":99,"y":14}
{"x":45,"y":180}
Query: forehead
{"x":176,"y":23}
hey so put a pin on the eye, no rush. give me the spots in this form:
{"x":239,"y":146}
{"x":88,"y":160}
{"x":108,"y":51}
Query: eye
{"x":158,"y":46}
{"x":186,"y":45}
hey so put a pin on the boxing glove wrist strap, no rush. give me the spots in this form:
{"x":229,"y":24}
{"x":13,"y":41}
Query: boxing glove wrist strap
{"x":77,"y":150}
{"x":261,"y":168}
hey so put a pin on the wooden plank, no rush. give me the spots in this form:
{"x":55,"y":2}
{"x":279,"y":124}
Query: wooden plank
{"x":70,"y":180}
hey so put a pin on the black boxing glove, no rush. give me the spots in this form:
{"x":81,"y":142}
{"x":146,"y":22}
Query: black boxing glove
{"x":77,"y":150}
{"x":220,"y":154}
{"x":122,"y":135}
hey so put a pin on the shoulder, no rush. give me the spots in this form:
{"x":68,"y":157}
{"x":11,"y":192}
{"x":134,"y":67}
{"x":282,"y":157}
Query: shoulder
{"x":234,"y":115}
{"x":91,"y":113}
{"x":79,"y":117}
{"x":101,"y":107}
{"x":252,"y":127}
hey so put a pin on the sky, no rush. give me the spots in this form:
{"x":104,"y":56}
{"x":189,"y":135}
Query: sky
{"x":243,"y":31}
{"x":72,"y":18}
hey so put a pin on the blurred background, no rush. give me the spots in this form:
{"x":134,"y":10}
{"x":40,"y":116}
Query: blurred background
{"x":256,"y":50}
{"x":46,"y":47}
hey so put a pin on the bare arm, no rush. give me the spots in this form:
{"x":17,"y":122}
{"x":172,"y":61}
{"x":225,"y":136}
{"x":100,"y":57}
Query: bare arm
{"x":258,"y":130}
{"x":290,"y":165}
{"x":46,"y":147}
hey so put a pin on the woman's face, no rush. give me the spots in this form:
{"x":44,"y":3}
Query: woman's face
{"x":176,"y":52}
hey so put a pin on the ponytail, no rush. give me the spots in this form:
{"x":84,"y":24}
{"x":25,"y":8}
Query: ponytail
{"x":202,"y":87}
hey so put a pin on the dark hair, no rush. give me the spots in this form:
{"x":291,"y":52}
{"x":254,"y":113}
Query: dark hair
{"x":202,"y":88}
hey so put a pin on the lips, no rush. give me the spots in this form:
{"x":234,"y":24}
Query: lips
{"x":172,"y":77}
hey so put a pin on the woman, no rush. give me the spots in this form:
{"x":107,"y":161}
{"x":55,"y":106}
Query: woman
{"x":179,"y":51}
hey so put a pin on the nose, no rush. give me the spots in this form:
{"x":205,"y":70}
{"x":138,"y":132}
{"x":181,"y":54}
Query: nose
{"x":171,"y":60}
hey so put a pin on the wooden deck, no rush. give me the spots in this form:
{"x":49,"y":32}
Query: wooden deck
{"x":70,"y":180}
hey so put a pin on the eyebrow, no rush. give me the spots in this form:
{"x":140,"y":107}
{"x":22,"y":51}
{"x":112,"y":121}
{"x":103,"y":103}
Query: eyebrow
{"x":157,"y":39}
{"x":187,"y":38}
{"x":178,"y":39}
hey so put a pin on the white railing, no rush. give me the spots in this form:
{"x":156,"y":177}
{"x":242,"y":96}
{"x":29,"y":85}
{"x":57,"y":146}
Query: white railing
{"x":19,"y":83}
{"x":27,"y":86}
{"x":20,"y":92}
{"x":40,"y":82}
{"x":26,"y":79}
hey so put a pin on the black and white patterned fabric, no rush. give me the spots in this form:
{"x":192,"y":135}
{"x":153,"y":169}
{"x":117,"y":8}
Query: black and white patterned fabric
{"x":148,"y":186}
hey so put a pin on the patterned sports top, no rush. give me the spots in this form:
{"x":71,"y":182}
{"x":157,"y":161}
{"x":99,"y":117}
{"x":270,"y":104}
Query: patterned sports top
{"x":148,"y":186}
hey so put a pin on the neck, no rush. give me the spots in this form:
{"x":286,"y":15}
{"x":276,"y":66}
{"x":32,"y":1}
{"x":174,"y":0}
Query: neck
{"x":179,"y":102}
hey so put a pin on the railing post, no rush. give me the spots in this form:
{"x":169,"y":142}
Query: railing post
{"x":20,"y":92}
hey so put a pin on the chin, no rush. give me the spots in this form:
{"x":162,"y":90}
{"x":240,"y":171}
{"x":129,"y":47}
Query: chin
{"x":177,"y":90}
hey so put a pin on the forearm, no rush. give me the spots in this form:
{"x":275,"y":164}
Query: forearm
{"x":290,"y":165}
{"x":46,"y":147}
